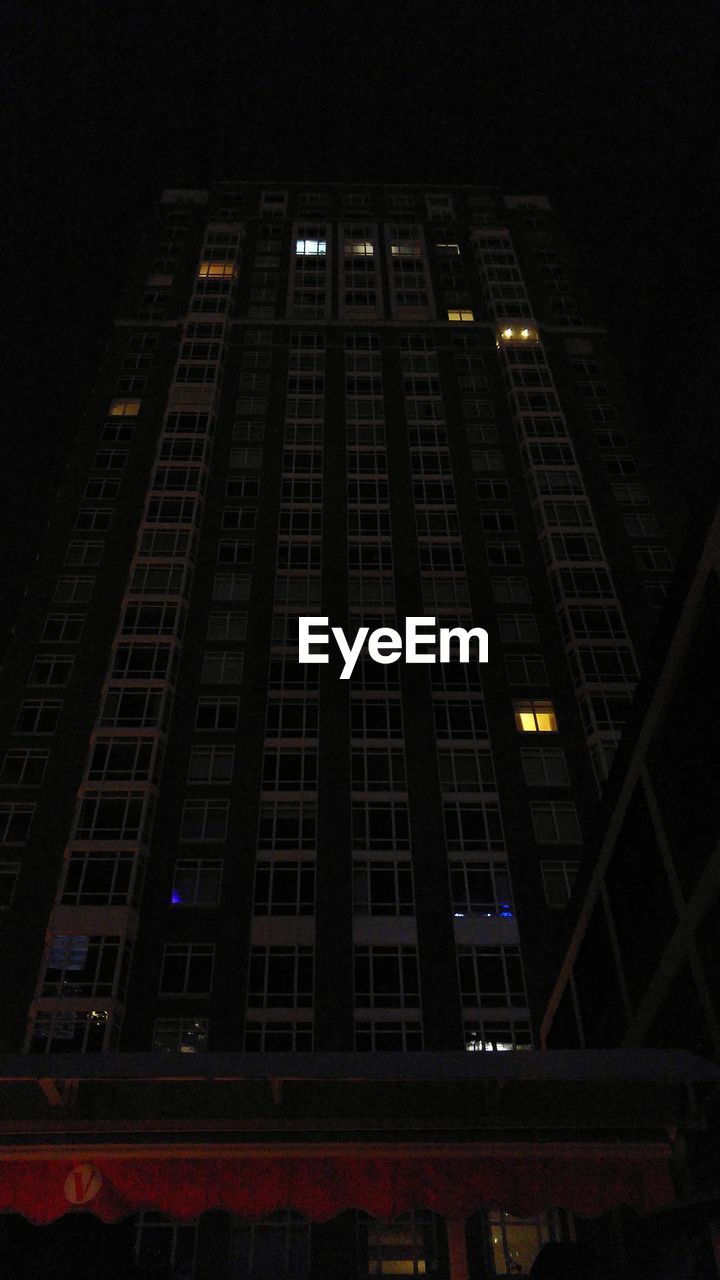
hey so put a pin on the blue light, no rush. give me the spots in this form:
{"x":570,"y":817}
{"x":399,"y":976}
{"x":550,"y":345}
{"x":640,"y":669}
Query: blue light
{"x":175,"y":898}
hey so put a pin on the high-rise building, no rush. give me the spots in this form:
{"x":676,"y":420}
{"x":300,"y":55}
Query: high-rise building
{"x":363,"y":405}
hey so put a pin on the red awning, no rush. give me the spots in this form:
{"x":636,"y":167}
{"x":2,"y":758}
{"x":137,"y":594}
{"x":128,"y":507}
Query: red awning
{"x":588,"y":1179}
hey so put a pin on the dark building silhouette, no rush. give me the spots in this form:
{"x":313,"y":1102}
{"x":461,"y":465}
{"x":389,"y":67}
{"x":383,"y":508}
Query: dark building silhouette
{"x":364,"y":404}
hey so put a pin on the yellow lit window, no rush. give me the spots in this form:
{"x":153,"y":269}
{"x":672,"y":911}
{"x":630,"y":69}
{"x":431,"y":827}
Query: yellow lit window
{"x":124,"y":408}
{"x":517,"y":333}
{"x":535,"y":717}
{"x":406,"y":249}
{"x":448,"y":248}
{"x":359,"y":248}
{"x":460,"y":315}
{"x":209,"y":270}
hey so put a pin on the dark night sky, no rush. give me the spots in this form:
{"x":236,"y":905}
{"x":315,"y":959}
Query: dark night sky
{"x":610,"y":107}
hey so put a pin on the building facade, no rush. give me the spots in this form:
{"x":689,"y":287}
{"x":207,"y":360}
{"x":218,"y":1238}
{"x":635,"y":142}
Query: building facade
{"x":363,"y":404}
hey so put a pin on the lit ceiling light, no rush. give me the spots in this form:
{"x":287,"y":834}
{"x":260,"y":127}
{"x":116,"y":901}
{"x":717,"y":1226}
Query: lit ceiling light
{"x":507,"y":333}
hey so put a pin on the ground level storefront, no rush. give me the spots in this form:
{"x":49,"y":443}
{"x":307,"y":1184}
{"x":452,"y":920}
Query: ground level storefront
{"x":339,"y":1167}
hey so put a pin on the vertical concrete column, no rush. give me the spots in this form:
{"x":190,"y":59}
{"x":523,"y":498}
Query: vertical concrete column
{"x":457,"y":1248}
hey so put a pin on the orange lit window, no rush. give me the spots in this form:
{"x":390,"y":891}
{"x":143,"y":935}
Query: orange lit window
{"x":124,"y":409}
{"x":227,"y":270}
{"x":460,"y":315}
{"x":535,"y":717}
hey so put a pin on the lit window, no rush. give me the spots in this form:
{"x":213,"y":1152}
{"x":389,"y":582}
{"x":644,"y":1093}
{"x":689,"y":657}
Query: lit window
{"x":214,"y":270}
{"x":124,"y":408}
{"x":517,"y":333}
{"x":312,"y":248}
{"x":448,"y":248}
{"x":359,"y":248}
{"x":516,"y":1242}
{"x":460,"y":315}
{"x":535,"y":717}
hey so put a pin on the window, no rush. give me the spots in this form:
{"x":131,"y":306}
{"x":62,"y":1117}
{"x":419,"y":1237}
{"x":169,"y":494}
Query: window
{"x":93,"y":520}
{"x":545,"y":767}
{"x":76,"y":1031}
{"x":526,"y":669}
{"x":222,"y":668}
{"x":652,"y":558}
{"x":82,"y":965}
{"x":386,"y":977}
{"x":461,"y":315}
{"x":481,"y":889}
{"x":292,"y":718}
{"x":284,"y":888}
{"x":9,"y":872}
{"x":558,"y":879}
{"x":311,"y":248}
{"x":461,"y":720}
{"x":656,"y":593}
{"x":555,"y":822}
{"x":640,"y":526}
{"x":187,"y":969}
{"x":510,"y":590}
{"x":37,"y":717}
{"x":196,"y":882}
{"x":133,"y":709}
{"x":517,"y":628}
{"x":238,"y":518}
{"x":473,"y":826}
{"x":278,"y":1248}
{"x":378,"y":769}
{"x":278,"y":1035}
{"x":105,"y":490}
{"x":211,"y":764}
{"x":502,"y":1035}
{"x":227,"y":626}
{"x":235,"y":551}
{"x":287,"y":825}
{"x":124,"y":408}
{"x":289,"y":770}
{"x":65,"y":627}
{"x":217,"y":714}
{"x":535,"y":717}
{"x":466,"y":770}
{"x":73,"y":590}
{"x":113,"y":815}
{"x":231,"y":586}
{"x":383,"y":888}
{"x":516,"y":1242}
{"x":15,"y":822}
{"x":50,"y":668}
{"x":491,"y":976}
{"x":164,"y":1247}
{"x":204,"y":820}
{"x":100,"y":879}
{"x":407,"y":1246}
{"x":122,"y":760}
{"x":381,"y":1033}
{"x":180,"y":1035}
{"x":280,"y":977}
{"x":24,"y":767}
{"x":380,"y":824}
